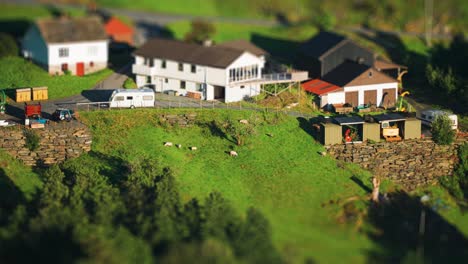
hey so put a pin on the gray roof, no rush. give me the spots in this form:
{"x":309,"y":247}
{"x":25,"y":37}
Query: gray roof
{"x":244,"y":45}
{"x":59,"y":30}
{"x":322,"y":43}
{"x":215,"y":56}
{"x":389,"y":117}
{"x":348,"y":120}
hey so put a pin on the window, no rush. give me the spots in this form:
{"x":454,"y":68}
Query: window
{"x":129,"y":97}
{"x":119,"y":98}
{"x":91,"y":64}
{"x":166,"y":80}
{"x":64,"y":67}
{"x":198,"y":87}
{"x":423,"y":116}
{"x":151,"y":62}
{"x":163,"y":64}
{"x":147,"y":97}
{"x":181,"y":67}
{"x":182,"y":84}
{"x":193,"y":68}
{"x":148,"y":79}
{"x":370,"y":74}
{"x":63,"y":52}
{"x":242,"y":86}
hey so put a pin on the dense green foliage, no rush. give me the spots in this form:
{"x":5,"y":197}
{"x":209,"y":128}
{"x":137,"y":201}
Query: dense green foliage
{"x":129,"y":84}
{"x":17,"y":72}
{"x":137,"y":218}
{"x":8,"y":46}
{"x":200,"y":31}
{"x":457,"y":184}
{"x":442,"y":132}
{"x":31,"y":139}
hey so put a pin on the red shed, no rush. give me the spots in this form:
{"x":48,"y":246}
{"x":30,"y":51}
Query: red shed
{"x":119,"y":31}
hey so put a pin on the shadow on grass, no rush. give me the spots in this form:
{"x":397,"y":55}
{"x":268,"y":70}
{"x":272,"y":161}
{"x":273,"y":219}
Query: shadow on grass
{"x":401,"y":237}
{"x":16,"y":28}
{"x":52,"y":245}
{"x":285,"y":51}
{"x":97,"y":95}
{"x":216,"y":131}
{"x":10,"y":196}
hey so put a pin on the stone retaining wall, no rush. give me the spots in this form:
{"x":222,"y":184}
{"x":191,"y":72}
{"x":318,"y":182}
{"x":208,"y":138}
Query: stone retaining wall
{"x":58,"y":142}
{"x":182,"y":120}
{"x":411,"y":163}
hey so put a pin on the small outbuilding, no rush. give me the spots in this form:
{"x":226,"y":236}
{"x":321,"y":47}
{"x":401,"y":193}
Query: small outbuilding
{"x":23,"y":95}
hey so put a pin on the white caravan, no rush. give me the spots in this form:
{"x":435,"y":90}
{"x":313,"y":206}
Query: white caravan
{"x":428,"y":116}
{"x":131,"y":98}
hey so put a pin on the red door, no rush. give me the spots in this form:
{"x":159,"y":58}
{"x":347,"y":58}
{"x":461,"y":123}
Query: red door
{"x":80,"y":69}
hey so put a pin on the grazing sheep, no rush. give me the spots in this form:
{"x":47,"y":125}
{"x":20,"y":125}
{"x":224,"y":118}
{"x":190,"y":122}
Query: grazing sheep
{"x":168,"y":144}
{"x":244,"y":121}
{"x":178,"y":145}
{"x":232,"y":153}
{"x":193,"y":148}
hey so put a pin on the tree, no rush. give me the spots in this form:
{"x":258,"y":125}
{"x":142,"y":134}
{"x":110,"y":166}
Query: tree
{"x":8,"y":46}
{"x":200,"y":32}
{"x":238,"y":131}
{"x":442,"y":132}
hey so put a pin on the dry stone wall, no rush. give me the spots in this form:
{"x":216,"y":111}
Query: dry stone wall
{"x":182,"y":120}
{"x":410,"y":163}
{"x":57,"y":142}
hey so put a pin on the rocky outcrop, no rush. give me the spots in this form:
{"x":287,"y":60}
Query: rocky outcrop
{"x":411,"y":163}
{"x":182,"y":120}
{"x":57,"y":142}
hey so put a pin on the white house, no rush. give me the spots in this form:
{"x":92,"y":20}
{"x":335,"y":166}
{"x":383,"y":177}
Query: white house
{"x":67,"y":44}
{"x":213,"y":72}
{"x":355,"y":84}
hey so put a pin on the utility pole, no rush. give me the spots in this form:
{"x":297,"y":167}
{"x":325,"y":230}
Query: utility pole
{"x":428,"y":13}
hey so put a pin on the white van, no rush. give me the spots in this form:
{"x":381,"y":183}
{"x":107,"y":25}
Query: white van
{"x":428,"y":116}
{"x":131,"y":98}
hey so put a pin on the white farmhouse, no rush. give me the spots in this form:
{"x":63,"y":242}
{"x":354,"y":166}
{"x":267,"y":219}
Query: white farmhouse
{"x":64,"y":44}
{"x":213,"y":72}
{"x":354,"y":84}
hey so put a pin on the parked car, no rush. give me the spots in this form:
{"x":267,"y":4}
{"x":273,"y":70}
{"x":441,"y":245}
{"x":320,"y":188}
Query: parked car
{"x":63,"y":114}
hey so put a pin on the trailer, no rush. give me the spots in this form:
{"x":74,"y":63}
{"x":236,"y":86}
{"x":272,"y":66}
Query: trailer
{"x":33,"y":116}
{"x":132,"y":98}
{"x":429,"y":116}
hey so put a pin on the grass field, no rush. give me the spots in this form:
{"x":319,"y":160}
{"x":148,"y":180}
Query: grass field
{"x":299,"y":191}
{"x":17,"y":72}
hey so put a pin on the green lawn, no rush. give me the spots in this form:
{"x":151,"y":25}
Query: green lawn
{"x":284,"y":176}
{"x":17,"y":72}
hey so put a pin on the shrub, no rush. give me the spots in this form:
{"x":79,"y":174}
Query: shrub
{"x":8,"y":45}
{"x":200,"y":31}
{"x":442,"y":132}
{"x":32,"y":140}
{"x":129,"y":84}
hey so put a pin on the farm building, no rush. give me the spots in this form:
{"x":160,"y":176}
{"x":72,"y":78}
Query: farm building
{"x":354,"y":84}
{"x":355,"y":129}
{"x":75,"y":45}
{"x":218,"y":72}
{"x":119,"y":32}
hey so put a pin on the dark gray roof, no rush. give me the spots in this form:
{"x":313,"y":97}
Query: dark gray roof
{"x":322,"y":43}
{"x":389,"y":117}
{"x":345,"y":73}
{"x":59,"y":30}
{"x":348,"y":120}
{"x":215,"y":56}
{"x":243,"y":45}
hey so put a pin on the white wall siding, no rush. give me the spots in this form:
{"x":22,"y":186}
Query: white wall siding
{"x":79,"y":52}
{"x":237,"y":93}
{"x":336,"y":98}
{"x":34,"y":47}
